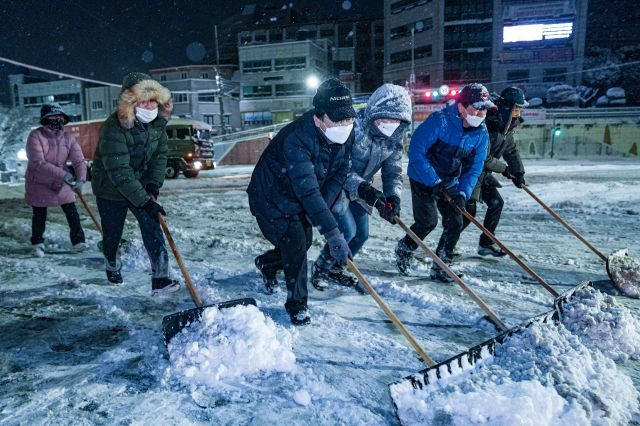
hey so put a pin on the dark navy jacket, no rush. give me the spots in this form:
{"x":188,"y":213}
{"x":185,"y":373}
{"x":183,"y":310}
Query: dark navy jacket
{"x":300,"y":172}
{"x":441,"y":151}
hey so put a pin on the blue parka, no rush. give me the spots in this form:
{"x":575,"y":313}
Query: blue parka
{"x":300,"y":172}
{"x":441,"y":150}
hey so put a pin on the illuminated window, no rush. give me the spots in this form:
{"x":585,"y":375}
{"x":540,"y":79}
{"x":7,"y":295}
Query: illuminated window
{"x":537,"y":32}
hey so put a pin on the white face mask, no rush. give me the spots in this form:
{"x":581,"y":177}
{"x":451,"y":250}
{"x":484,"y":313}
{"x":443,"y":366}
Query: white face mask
{"x":146,"y":115}
{"x":388,"y":129}
{"x":474,"y":120}
{"x":338,"y":134}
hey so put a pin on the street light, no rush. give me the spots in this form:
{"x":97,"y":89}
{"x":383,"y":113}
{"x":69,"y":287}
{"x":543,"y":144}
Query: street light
{"x":313,"y":82}
{"x":556,"y":131}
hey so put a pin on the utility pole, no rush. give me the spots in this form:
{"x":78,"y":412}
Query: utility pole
{"x":412,"y":77}
{"x":219,"y":82}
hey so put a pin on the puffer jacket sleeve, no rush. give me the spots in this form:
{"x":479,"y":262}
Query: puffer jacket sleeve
{"x":494,"y":165}
{"x":44,"y":172}
{"x":300,"y":168}
{"x":115,"y":159}
{"x":512,"y":156}
{"x":421,"y":141}
{"x":470,"y":178}
{"x":354,"y":179}
{"x":76,"y":157}
{"x":392,"y":173}
{"x":156,"y":171}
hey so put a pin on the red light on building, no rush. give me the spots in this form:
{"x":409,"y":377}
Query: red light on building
{"x":427,"y":93}
{"x":454,"y":92}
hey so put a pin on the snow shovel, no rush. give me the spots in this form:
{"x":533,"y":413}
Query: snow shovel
{"x":512,"y":255}
{"x":487,"y":310}
{"x":174,"y":323}
{"x":394,"y":319}
{"x":96,"y":222}
{"x":623,"y":270}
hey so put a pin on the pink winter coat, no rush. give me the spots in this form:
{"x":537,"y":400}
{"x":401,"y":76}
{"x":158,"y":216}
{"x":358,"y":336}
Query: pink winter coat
{"x":48,"y":152}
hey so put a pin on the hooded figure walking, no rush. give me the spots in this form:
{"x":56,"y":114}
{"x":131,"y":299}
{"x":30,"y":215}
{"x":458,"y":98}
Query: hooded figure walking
{"x":379,"y":128}
{"x":298,"y":177}
{"x":446,"y":156}
{"x":128,"y":171}
{"x":502,"y":123}
{"x":48,"y":183}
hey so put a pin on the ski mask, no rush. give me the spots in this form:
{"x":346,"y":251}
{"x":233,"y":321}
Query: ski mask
{"x":146,"y":115}
{"x":338,"y":134}
{"x":55,"y":123}
{"x":388,"y":129}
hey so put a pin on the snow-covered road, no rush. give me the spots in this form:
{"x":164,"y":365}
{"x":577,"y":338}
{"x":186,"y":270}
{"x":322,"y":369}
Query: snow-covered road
{"x":76,"y":349}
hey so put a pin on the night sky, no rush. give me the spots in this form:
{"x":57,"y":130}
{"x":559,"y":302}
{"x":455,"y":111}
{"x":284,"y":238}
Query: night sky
{"x":105,"y":40}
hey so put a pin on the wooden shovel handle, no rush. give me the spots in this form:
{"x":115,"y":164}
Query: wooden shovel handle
{"x":565,"y":224}
{"x":425,"y":358}
{"x":183,"y":268}
{"x":493,"y":238}
{"x":86,"y":206}
{"x":487,"y":310}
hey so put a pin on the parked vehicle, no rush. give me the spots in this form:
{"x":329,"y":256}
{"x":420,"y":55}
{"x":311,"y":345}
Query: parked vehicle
{"x":190,"y":145}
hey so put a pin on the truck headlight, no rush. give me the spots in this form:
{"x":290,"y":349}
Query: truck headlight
{"x":22,"y":155}
{"x":197,"y":165}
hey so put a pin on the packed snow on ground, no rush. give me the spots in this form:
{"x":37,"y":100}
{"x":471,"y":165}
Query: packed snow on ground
{"x":541,"y":376}
{"x":76,"y":349}
{"x":227,"y":344}
{"x":625,"y":272}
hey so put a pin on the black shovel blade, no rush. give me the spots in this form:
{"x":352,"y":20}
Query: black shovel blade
{"x":174,"y":323}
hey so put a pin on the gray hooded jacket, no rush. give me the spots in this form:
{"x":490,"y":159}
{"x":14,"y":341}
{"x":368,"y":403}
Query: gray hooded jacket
{"x":372,"y":151}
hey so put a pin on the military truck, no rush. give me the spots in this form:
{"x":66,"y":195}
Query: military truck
{"x":190,"y":145}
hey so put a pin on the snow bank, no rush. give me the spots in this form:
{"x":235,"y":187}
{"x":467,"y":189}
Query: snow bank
{"x":230,"y":343}
{"x":541,"y":376}
{"x":601,"y":322}
{"x":625,"y":273}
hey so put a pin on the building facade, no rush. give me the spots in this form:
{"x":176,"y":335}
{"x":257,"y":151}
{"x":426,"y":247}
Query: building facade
{"x":31,"y":93}
{"x":276,"y":79}
{"x":196,"y":93}
{"x":534,"y":45}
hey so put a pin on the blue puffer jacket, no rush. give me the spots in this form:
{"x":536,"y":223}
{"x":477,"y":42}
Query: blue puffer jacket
{"x":300,"y":172}
{"x":441,"y":150}
{"x":372,"y":151}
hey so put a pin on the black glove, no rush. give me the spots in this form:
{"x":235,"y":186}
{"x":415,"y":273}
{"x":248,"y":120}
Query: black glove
{"x":440,"y":189}
{"x":338,"y":247}
{"x":153,"y":190}
{"x":391,"y":209}
{"x":459,"y":201}
{"x":507,"y":173}
{"x":153,"y":209}
{"x":518,"y":180}
{"x":371,"y":196}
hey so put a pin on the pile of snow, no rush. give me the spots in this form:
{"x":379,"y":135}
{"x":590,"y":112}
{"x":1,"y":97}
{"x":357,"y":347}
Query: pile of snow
{"x":230,"y":343}
{"x":601,"y":322}
{"x":625,"y":273}
{"x":543,"y":376}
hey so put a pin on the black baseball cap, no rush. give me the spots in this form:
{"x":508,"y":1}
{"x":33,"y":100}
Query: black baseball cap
{"x":476,"y":95}
{"x":334,"y":99}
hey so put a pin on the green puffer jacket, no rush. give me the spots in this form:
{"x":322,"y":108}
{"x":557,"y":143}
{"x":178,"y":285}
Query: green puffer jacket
{"x":126,"y":160}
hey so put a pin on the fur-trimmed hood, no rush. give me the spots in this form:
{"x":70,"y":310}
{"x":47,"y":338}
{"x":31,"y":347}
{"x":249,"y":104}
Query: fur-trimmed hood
{"x":144,"y":90}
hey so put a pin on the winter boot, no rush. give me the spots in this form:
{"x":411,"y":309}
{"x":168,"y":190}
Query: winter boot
{"x":320,"y":278}
{"x":160,"y":286}
{"x":37,"y":250}
{"x":491,"y":250}
{"x":113,"y":271}
{"x":404,"y":258}
{"x":300,"y":318}
{"x":270,"y":281}
{"x":82,"y":246}
{"x":439,"y":274}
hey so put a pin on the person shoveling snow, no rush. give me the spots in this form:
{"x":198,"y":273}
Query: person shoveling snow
{"x":227,"y":344}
